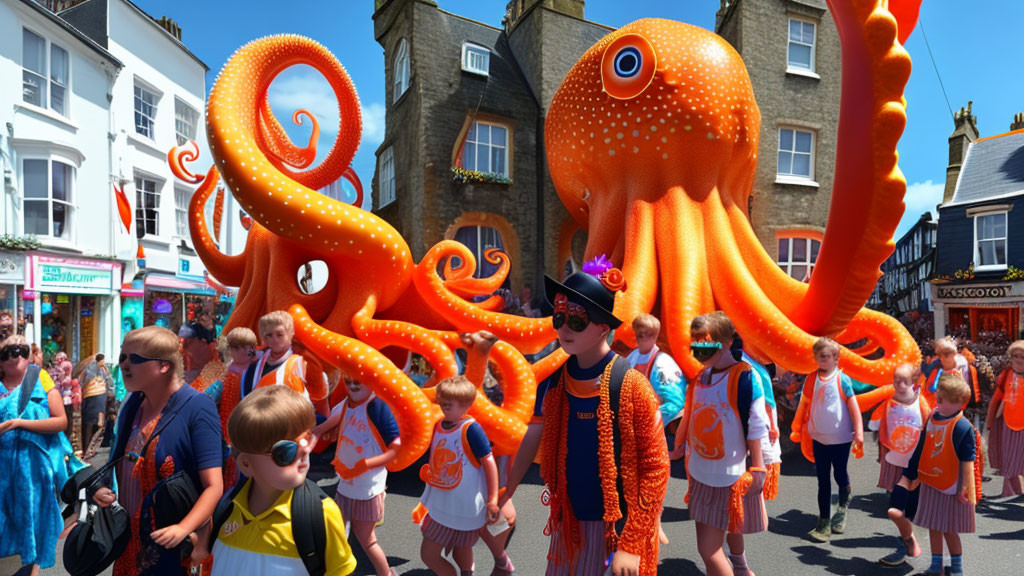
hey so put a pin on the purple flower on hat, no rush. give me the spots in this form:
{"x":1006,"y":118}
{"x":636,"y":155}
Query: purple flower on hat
{"x":598,"y":266}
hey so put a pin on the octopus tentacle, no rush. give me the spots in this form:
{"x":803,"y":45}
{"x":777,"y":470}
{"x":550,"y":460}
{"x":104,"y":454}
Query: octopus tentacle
{"x":426,"y":343}
{"x":868,"y":189}
{"x":639,"y":269}
{"x":683,"y":267}
{"x":179,"y":156}
{"x":547,"y":365}
{"x":459,"y":279}
{"x":527,"y":334}
{"x":415,"y":414}
{"x":279,"y":147}
{"x":285,"y":201}
{"x":227,"y":269}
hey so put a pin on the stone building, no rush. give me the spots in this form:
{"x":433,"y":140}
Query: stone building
{"x":463,"y":150}
{"x":792,"y":52}
{"x":904,"y":285}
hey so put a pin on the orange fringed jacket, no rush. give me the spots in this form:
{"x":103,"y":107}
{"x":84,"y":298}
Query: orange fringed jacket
{"x":644,"y":462}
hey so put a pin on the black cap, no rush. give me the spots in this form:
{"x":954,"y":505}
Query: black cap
{"x":586,"y":290}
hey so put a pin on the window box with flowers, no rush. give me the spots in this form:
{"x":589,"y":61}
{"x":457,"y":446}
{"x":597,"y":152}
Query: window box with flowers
{"x":463,"y":176}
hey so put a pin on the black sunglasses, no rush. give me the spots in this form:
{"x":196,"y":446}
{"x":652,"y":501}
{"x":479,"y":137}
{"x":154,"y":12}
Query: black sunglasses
{"x":12,"y":351}
{"x":137,"y":359}
{"x":704,"y":350}
{"x":285,"y":452}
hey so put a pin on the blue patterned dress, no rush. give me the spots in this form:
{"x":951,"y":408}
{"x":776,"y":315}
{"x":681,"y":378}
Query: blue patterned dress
{"x":35,"y":467}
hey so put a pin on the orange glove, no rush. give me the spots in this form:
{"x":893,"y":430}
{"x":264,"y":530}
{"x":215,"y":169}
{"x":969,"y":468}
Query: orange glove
{"x":349,"y":473}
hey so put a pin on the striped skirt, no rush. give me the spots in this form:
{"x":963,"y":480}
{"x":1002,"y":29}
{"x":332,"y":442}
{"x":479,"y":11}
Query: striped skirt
{"x":755,"y":515}
{"x":590,"y":561}
{"x":888,"y":475}
{"x":448,"y":537}
{"x":944,"y":512}
{"x":1012,"y":444}
{"x":710,"y":505}
{"x":371,"y":510}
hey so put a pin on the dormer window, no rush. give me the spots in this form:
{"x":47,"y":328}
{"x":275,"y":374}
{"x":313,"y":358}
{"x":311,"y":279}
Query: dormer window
{"x":476,"y":59}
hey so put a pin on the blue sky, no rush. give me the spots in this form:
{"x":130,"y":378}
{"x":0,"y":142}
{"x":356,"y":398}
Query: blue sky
{"x":976,"y":47}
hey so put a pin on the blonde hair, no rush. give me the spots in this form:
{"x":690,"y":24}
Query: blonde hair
{"x":952,"y":388}
{"x":158,"y":342}
{"x":1017,"y":346}
{"x":268,"y":415}
{"x":826,"y":343}
{"x":646,"y":322}
{"x":272,"y":320}
{"x":240,"y":337}
{"x":456,"y":389}
{"x":912,"y":371}
{"x":945,"y":343}
{"x":717,"y":325}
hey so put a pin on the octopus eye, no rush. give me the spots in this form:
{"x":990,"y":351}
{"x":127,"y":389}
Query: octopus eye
{"x":628,"y":66}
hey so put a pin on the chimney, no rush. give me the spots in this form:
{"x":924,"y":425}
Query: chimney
{"x":58,"y":6}
{"x":171,"y":26}
{"x":515,"y":9}
{"x":1018,"y":122}
{"x":965,"y":131}
{"x":722,"y":11}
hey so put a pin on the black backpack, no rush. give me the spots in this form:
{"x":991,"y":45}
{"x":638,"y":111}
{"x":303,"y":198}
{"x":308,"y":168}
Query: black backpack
{"x":308,"y":528}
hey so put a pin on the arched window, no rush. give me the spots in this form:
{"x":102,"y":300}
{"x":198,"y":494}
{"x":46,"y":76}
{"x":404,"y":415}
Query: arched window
{"x":401,"y":70}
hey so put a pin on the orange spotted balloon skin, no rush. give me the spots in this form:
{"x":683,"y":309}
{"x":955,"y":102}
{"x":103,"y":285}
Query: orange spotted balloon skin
{"x":658,"y":122}
{"x":376,"y":299}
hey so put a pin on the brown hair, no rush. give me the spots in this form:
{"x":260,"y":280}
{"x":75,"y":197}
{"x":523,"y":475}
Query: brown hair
{"x":272,"y":320}
{"x":953,"y":388}
{"x":456,"y":389}
{"x":826,"y":343}
{"x":646,"y":322}
{"x":158,"y":342}
{"x":913,"y":371}
{"x":241,"y":337}
{"x":15,"y":340}
{"x":717,"y":325}
{"x":269,"y":415}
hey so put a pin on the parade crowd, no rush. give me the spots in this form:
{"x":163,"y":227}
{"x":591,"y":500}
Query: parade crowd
{"x":208,"y":474}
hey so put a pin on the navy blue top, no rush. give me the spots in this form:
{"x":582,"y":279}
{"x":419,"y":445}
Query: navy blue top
{"x":192,"y":439}
{"x":963,"y":442}
{"x":582,"y":470}
{"x":382,"y":418}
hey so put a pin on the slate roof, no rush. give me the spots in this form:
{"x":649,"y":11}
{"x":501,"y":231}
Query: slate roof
{"x":994,"y":168}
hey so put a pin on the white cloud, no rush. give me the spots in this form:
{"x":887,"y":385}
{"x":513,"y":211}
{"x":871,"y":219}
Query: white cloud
{"x":921,"y":197}
{"x":303,"y":88}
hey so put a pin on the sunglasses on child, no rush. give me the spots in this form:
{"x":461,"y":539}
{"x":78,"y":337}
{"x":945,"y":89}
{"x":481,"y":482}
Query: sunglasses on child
{"x":704,"y":350}
{"x":285,"y":452}
{"x":137,"y":359}
{"x":569,"y":313}
{"x":13,"y":351}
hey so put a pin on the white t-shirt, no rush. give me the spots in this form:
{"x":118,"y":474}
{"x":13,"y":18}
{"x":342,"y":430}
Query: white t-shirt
{"x":359,"y":440}
{"x":830,"y":416}
{"x":716,"y":448}
{"x":904,"y":423}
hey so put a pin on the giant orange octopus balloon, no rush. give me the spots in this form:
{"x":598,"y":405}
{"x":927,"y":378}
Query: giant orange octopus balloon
{"x":657,"y":122}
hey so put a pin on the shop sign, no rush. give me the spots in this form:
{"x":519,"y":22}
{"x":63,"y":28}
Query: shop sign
{"x":53,"y":277}
{"x":188,"y":270}
{"x":948,"y":292}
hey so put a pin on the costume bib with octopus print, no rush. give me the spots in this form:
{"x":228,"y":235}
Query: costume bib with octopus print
{"x":718,"y":450}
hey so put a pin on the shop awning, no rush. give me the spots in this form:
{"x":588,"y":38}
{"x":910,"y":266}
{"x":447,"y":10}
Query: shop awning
{"x":169,"y":283}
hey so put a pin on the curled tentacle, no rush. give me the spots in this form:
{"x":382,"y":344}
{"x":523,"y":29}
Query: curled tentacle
{"x":546,"y":366}
{"x":415,"y":414}
{"x":527,"y":334}
{"x":459,"y":280}
{"x":868,"y":188}
{"x":357,"y":184}
{"x":178,"y":156}
{"x":426,"y":343}
{"x":228,"y":269}
{"x":278,"y":145}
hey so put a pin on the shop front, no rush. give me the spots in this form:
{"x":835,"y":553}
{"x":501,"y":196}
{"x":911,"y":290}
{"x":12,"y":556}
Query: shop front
{"x":978,"y":310}
{"x":72,"y":303}
{"x":12,"y":284}
{"x":171,"y":301}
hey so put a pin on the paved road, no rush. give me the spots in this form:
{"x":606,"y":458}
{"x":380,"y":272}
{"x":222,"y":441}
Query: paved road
{"x":995,"y":549}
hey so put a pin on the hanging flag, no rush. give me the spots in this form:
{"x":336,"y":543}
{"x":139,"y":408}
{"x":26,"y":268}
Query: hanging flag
{"x":218,"y":214}
{"x":140,"y":257}
{"x":124,"y":209}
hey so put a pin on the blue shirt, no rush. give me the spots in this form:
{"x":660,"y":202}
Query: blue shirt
{"x":383,"y":420}
{"x":477,"y":439}
{"x":582,"y":470}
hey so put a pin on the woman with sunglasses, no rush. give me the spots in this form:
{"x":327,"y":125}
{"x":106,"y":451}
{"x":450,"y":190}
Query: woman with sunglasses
{"x":32,"y":457}
{"x":187,"y":437}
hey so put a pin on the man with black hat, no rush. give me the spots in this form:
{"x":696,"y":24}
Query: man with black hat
{"x":603,"y":446}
